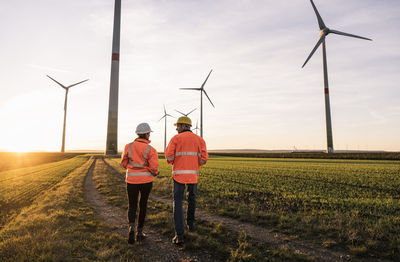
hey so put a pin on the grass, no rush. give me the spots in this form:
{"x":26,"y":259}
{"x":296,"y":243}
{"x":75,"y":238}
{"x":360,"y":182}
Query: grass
{"x":20,"y":187}
{"x":212,"y":238}
{"x":353,"y":204}
{"x":61,"y":226}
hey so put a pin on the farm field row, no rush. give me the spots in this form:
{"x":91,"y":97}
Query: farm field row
{"x":19,"y":187}
{"x":318,"y":155}
{"x":61,"y":226}
{"x":351,"y":203}
{"x":10,"y":160}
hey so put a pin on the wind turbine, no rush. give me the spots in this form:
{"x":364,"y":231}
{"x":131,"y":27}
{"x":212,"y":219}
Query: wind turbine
{"x":324,"y":31}
{"x":165,"y":128}
{"x":184,"y":113}
{"x":196,"y":128}
{"x":65,"y":107}
{"x":201,"y":89}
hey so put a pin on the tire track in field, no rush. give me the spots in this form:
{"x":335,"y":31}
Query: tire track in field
{"x":156,"y":247}
{"x":264,"y":235}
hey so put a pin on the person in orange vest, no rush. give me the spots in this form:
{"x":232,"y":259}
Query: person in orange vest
{"x":141,"y":163}
{"x":186,"y":152}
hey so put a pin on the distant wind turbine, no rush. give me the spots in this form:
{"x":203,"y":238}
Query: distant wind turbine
{"x":65,"y":107}
{"x":201,"y":89}
{"x":324,"y":31}
{"x":165,"y":128}
{"x":184,"y":113}
{"x":196,"y":128}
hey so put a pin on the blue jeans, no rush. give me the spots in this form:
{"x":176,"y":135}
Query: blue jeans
{"x":179,"y":190}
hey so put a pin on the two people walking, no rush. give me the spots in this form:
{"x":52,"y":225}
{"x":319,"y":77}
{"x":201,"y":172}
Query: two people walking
{"x":186,"y":152}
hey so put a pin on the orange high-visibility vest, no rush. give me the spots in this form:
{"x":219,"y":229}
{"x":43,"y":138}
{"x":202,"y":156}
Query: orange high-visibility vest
{"x":187,"y":152}
{"x":141,"y":162}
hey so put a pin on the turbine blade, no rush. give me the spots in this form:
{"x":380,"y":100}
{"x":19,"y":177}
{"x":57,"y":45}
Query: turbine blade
{"x":320,"y":21}
{"x":202,"y":86}
{"x":77,"y":83}
{"x":180,"y":112}
{"x":170,"y":115}
{"x":315,"y":48}
{"x":350,"y":35}
{"x":162,"y":118}
{"x":190,"y":88}
{"x":56,"y":82}
{"x":165,"y":112}
{"x":190,"y":112}
{"x":208,"y":98}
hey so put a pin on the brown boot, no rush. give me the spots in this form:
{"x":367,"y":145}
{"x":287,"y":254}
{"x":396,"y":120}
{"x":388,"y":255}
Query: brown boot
{"x":131,"y":234}
{"x":178,"y":240}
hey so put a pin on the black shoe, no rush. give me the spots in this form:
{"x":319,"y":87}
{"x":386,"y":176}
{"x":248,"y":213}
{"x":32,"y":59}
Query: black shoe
{"x":140,"y":236}
{"x":191,"y":227}
{"x":131,"y":235}
{"x":178,"y":240}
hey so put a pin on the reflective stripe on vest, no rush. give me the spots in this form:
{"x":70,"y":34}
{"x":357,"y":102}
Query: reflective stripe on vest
{"x":144,"y":157}
{"x":170,"y":158}
{"x":188,"y":154}
{"x":177,"y":172}
{"x":139,"y":174}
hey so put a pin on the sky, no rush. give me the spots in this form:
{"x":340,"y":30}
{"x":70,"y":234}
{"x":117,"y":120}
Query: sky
{"x":263,"y":98}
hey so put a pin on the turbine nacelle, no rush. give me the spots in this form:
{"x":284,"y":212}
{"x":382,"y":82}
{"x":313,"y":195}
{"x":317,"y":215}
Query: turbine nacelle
{"x":324,"y":31}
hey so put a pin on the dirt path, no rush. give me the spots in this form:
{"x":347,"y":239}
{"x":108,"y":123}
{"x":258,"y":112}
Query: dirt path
{"x":156,"y":247}
{"x":264,"y":235}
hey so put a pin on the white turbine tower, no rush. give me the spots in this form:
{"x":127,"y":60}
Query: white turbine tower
{"x":65,"y":107}
{"x":165,"y":127}
{"x":112,"y":126}
{"x":201,"y":89}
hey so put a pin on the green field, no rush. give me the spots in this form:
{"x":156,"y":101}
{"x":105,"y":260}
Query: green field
{"x":10,"y":160}
{"x":20,"y":187}
{"x":60,"y":226}
{"x":349,"y":203}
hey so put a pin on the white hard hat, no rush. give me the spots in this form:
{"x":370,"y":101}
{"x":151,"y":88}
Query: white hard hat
{"x":143,"y":128}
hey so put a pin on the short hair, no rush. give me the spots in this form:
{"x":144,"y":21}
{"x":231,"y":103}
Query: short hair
{"x":143,"y":136}
{"x":186,"y":126}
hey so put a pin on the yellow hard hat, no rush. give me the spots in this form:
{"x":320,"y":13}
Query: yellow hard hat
{"x":184,"y":120}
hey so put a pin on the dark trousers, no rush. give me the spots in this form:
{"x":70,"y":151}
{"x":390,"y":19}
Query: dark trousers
{"x":179,"y":190}
{"x":133,"y":195}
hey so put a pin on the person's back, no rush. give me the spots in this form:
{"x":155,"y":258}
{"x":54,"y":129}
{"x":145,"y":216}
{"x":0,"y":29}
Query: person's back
{"x":188,"y":152}
{"x":141,"y":163}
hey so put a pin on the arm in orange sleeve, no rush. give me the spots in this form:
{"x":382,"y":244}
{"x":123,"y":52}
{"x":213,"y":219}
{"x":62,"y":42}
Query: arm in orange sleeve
{"x":125,"y":157}
{"x":204,"y":153}
{"x":170,"y":151}
{"x":153,"y":162}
